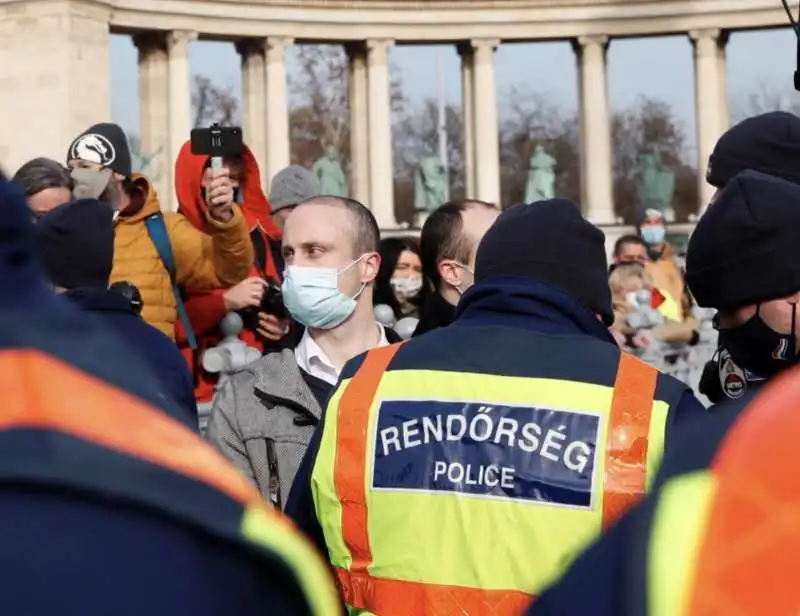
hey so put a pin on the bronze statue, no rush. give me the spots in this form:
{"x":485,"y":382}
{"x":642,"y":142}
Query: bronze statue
{"x":330,"y":174}
{"x":431,"y":184}
{"x":541,"y":176}
{"x":655,"y":183}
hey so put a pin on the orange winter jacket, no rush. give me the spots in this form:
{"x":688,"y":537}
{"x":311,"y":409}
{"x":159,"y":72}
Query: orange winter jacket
{"x":222,"y":257}
{"x":206,"y":309}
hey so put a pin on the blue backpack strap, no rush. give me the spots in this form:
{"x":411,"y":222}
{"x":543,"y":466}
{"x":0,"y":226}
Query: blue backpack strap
{"x":157,"y":229}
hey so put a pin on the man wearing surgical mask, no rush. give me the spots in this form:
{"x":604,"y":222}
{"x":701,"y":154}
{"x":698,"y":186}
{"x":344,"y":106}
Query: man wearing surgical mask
{"x":263,"y":417}
{"x":448,"y":244}
{"x":662,"y":267}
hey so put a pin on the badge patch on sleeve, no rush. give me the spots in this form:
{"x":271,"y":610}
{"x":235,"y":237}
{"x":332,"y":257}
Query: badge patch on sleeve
{"x":484,"y":449}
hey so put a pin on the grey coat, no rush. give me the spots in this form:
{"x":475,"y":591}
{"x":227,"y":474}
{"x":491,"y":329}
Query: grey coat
{"x":262,"y":420}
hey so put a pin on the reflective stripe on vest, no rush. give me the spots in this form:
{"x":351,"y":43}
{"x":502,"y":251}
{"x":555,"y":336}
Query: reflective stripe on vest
{"x":421,"y":551}
{"x":44,"y":394}
{"x":725,"y":540}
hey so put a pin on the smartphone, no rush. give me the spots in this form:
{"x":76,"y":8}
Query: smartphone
{"x":217,"y":141}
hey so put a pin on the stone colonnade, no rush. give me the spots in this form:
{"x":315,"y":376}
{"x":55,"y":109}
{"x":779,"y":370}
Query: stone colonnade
{"x":165,"y":110}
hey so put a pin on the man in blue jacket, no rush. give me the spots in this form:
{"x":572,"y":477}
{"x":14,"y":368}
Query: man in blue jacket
{"x":107,"y":504}
{"x":536,"y":321}
{"x":742,"y":260}
{"x":76,"y":244}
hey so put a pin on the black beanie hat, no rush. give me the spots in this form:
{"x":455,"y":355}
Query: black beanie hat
{"x":551,"y":242}
{"x":769,"y":143}
{"x":746,"y":247}
{"x":76,"y":244}
{"x":103,"y":144}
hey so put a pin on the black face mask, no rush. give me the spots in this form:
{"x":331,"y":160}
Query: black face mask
{"x":754,"y":345}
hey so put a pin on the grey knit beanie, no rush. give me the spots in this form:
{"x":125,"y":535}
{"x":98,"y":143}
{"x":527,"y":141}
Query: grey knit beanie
{"x":291,"y":186}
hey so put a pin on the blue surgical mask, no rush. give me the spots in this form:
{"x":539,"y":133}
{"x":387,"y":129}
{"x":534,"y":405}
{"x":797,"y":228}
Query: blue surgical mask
{"x":653,"y":234}
{"x":312,"y":296}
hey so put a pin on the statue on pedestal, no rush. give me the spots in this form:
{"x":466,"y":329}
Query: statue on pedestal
{"x":541,"y":176}
{"x":329,"y":171}
{"x":655,"y":183}
{"x":431,"y":185}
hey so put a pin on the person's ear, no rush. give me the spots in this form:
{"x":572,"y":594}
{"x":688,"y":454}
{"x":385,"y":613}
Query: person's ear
{"x":449,"y":272}
{"x":371,"y":265}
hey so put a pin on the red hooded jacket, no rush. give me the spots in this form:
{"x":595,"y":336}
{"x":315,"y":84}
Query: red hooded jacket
{"x":206,"y":309}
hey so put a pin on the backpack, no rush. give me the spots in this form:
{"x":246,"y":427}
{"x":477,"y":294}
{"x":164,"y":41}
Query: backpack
{"x":157,"y":230}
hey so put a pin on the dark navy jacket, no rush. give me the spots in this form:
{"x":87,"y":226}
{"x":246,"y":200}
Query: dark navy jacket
{"x":515,"y":303}
{"x":610,"y":577}
{"x":156,"y":349}
{"x":100,"y":557}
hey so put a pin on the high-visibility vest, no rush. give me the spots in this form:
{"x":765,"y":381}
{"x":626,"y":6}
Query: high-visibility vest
{"x":724,"y":540}
{"x":75,"y":431}
{"x":449,"y":526}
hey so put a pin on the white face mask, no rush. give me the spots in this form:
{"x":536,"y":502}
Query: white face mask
{"x":406,"y":287}
{"x":312,"y":295}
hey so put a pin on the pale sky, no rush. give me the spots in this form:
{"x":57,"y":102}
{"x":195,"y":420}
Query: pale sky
{"x":657,"y":67}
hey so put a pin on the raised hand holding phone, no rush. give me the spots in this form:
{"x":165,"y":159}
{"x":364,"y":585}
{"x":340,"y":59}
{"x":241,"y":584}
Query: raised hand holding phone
{"x":218,"y":142}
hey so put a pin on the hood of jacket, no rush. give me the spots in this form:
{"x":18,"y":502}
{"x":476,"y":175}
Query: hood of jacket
{"x":527,"y":303}
{"x":151,"y":203}
{"x":100,"y":300}
{"x":189,"y":169}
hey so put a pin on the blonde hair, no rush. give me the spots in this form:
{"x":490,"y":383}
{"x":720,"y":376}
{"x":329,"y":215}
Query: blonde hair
{"x":622,"y":276}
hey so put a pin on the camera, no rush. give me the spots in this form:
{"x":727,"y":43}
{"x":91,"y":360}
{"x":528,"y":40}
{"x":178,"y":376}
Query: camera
{"x":271,"y":303}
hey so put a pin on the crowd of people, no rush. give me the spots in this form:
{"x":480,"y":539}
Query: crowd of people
{"x":457,"y":424}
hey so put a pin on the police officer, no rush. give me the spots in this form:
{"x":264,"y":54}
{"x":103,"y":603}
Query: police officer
{"x":769,"y":143}
{"x":107,"y":504}
{"x":725,"y":482}
{"x":459,"y":471}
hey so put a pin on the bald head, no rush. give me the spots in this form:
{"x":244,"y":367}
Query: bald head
{"x":452,"y":233}
{"x":338,"y":233}
{"x":366,"y":235}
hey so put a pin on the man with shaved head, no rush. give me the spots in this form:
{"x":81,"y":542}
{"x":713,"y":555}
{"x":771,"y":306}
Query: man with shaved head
{"x":264,"y":417}
{"x":448,"y":243}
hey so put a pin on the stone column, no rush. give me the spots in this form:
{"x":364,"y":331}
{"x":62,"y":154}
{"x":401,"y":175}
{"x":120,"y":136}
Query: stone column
{"x":254,"y":124}
{"x":154,"y":111}
{"x":725,"y":121}
{"x":707,"y":87}
{"x":597,"y":193}
{"x":468,"y":116}
{"x":277,"y":112}
{"x":487,"y":138}
{"x":381,"y":171}
{"x":55,"y":62}
{"x":359,"y":123}
{"x":180,"y":99}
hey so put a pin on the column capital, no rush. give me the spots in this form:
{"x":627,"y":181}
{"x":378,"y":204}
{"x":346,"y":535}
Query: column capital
{"x":484,"y":43}
{"x":278,"y":44}
{"x":379,"y":48}
{"x":355,"y":48}
{"x":465,"y":49}
{"x":250,"y":46}
{"x":178,"y":40}
{"x":712,"y":34}
{"x":147,"y":42}
{"x":590,"y":40}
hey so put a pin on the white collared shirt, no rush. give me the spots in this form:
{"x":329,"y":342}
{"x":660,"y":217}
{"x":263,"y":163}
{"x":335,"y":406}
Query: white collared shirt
{"x":312,"y":359}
